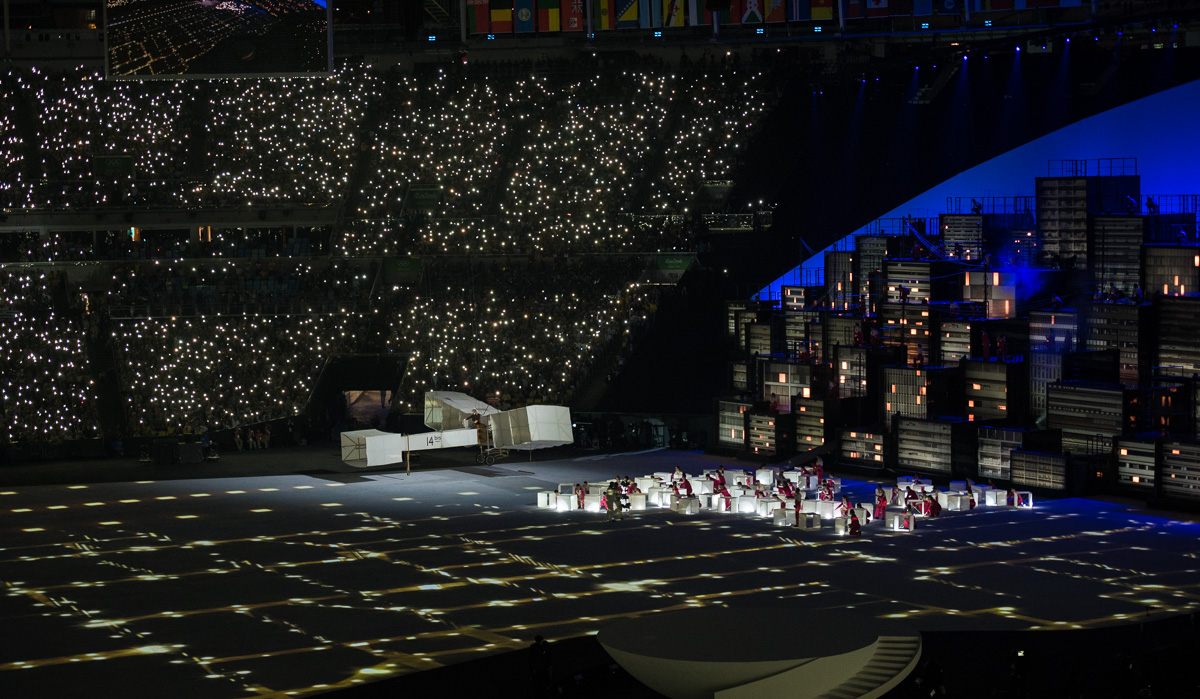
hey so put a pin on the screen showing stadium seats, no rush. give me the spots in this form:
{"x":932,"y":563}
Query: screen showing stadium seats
{"x":216,"y":38}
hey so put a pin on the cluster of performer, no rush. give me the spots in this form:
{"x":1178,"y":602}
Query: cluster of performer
{"x":912,"y":497}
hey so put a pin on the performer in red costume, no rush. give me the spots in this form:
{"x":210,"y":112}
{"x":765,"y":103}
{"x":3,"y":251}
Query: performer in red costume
{"x":1014,"y":498}
{"x":827,"y":491}
{"x":933,"y":508}
{"x":686,"y":486}
{"x":855,"y":526}
{"x":845,"y":507}
{"x":880,"y":502}
{"x":722,"y":491}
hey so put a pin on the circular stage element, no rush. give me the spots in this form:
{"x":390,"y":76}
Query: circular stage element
{"x":724,"y":653}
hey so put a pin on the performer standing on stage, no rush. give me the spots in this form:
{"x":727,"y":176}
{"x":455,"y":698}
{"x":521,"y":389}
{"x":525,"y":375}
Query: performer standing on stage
{"x":880,"y":502}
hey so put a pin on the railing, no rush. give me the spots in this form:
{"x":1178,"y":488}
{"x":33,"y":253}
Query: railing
{"x":1099,"y":167}
{"x":992,"y":205}
{"x":186,"y":310}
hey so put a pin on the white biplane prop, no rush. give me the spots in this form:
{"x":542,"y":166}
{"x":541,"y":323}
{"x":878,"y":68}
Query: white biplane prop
{"x":449,"y":415}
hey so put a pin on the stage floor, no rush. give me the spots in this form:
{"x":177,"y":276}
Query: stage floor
{"x":230,"y":587}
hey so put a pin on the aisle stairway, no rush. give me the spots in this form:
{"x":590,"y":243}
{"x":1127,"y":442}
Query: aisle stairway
{"x":893,"y":659}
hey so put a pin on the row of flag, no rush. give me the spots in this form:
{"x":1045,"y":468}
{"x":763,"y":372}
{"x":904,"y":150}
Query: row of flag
{"x":522,"y":16}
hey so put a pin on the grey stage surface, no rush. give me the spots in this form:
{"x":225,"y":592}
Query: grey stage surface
{"x":262,"y":584}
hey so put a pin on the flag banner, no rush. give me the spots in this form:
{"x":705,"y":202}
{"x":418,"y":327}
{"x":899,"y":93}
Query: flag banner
{"x":822,"y":10}
{"x":523,"y":16}
{"x":798,"y":11}
{"x":478,"y":21}
{"x":695,"y":12}
{"x":605,"y":14}
{"x":922,"y":8}
{"x":572,"y":20}
{"x":852,"y":9}
{"x":774,"y":10}
{"x":549,"y":15}
{"x":651,"y":13}
{"x":674,"y":13}
{"x":627,"y":14}
{"x":501,"y":21}
{"x":877,"y":8}
{"x":752,"y":14}
{"x":732,"y":15}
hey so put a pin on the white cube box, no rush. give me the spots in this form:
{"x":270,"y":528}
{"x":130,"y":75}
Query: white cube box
{"x":722,"y":503}
{"x":765,"y":506}
{"x":996,"y":498}
{"x":645,"y":483}
{"x":943,"y":498}
{"x":654,"y":496}
{"x":864,"y":515}
{"x":782,"y":517}
{"x":701,"y":485}
{"x":591,"y":503}
{"x":736,"y":492}
{"x":705,"y":500}
{"x":637,"y":501}
{"x":548,"y":499}
{"x":958,"y":486}
{"x":664,"y":476}
{"x":567,"y":504}
{"x":957,"y":502}
{"x":1025,"y":499}
{"x":810,"y":507}
{"x":896,"y":522}
{"x":826,"y":508}
{"x":837,"y":484}
{"x":793,"y":476}
{"x":766,"y":476}
{"x":566,"y":488}
{"x":981,"y":493}
{"x":809,"y":520}
{"x":841,"y":525}
{"x":688,"y":506}
{"x":903,"y":483}
{"x":747,"y":504}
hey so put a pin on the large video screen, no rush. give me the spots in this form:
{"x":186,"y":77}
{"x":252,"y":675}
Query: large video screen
{"x":216,"y":38}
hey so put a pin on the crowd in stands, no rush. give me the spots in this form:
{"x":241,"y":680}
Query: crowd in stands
{"x":47,"y":388}
{"x":518,"y":207}
{"x":532,"y":163}
{"x":206,"y":287}
{"x":517,"y":333}
{"x":224,"y":371}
